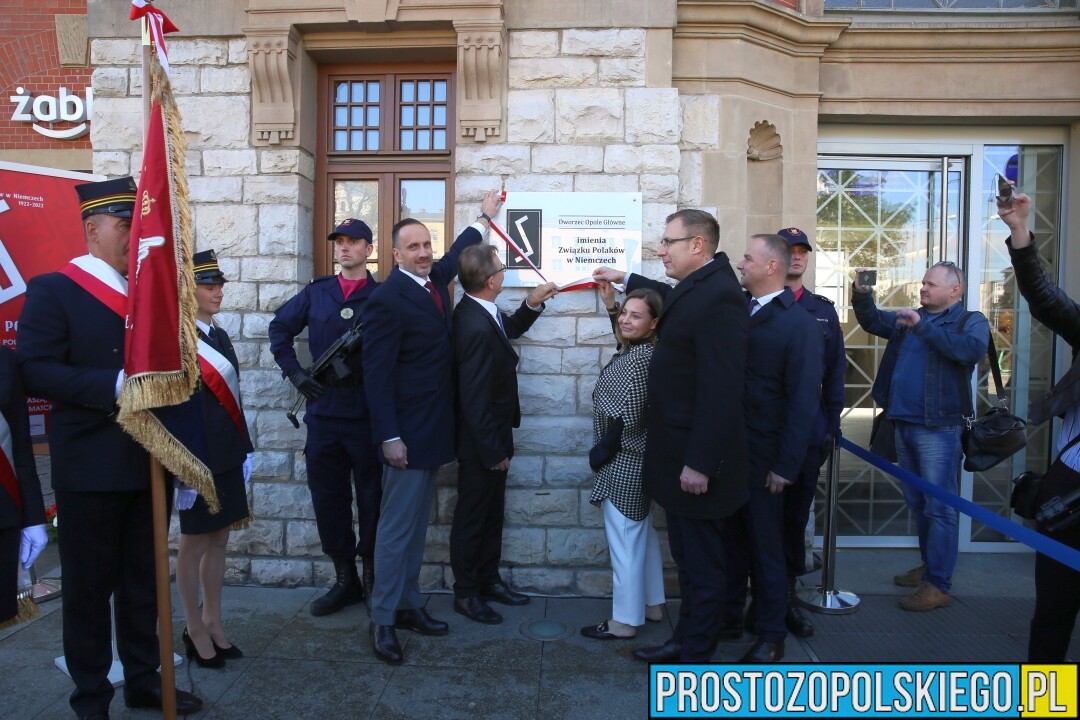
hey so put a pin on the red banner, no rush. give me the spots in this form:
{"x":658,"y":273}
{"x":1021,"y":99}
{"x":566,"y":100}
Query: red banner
{"x":40,"y":231}
{"x":153,"y":337}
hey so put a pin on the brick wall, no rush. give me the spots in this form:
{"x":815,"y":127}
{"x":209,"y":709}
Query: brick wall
{"x":29,"y":58}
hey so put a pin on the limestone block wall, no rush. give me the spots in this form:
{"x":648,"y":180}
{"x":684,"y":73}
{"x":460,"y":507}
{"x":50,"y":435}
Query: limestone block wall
{"x":254,"y":207}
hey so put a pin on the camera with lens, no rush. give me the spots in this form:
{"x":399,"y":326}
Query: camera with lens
{"x":1060,"y":512}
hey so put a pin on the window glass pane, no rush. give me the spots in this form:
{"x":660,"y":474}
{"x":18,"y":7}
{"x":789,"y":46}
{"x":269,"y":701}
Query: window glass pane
{"x":373,"y":91}
{"x":357,"y":117}
{"x":440,"y":140}
{"x":372,"y":139}
{"x":373,"y":116}
{"x":358,"y":92}
{"x":440,"y":116}
{"x":356,"y":140}
{"x":407,"y":113}
{"x":423,"y":139}
{"x":341,"y":92}
{"x":359,"y":199}
{"x":341,"y":140}
{"x":341,"y":116}
{"x":425,"y":200}
{"x":408,"y":91}
{"x":407,"y":139}
{"x":423,"y":115}
{"x":423,"y":91}
{"x":440,"y":91}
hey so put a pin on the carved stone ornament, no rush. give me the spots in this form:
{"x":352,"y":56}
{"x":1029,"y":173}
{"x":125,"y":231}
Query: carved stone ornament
{"x":764,"y":143}
{"x":272,"y":59}
{"x":481,"y":73}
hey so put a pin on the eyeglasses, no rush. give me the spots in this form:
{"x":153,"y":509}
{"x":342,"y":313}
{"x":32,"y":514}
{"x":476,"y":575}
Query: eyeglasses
{"x":668,"y":242}
{"x":502,"y":269}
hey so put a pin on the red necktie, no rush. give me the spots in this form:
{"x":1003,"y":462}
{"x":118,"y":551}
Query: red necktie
{"x":435,"y":296}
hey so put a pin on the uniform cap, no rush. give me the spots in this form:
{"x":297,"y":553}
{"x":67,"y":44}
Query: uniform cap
{"x":795,"y":236}
{"x":108,"y":197}
{"x":207,"y":271}
{"x":356,"y":229}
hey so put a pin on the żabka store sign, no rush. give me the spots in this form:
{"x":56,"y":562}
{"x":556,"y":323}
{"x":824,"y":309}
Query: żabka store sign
{"x":66,"y":109}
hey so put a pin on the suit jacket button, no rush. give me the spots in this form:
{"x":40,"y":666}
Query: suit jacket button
{"x":116,"y":351}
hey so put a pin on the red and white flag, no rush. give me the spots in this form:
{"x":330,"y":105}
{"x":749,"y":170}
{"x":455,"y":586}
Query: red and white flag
{"x":158,"y":24}
{"x":160,"y":354}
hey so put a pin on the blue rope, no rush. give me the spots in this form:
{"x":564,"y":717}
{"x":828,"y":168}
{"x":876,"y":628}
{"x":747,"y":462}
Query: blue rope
{"x":1047,"y":546}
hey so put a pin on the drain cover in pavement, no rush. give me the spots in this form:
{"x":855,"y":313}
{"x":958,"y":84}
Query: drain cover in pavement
{"x":545,"y":630}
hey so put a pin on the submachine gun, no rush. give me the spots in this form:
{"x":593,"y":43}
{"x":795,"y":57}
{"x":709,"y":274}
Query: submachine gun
{"x":330,"y":367}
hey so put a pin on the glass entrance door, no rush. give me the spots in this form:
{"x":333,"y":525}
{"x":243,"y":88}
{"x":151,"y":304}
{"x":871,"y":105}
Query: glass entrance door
{"x":898,"y":217}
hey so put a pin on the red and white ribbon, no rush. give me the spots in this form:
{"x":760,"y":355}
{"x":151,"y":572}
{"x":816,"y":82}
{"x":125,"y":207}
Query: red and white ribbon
{"x":158,"y":24}
{"x":219,"y":376}
{"x":7,"y":464}
{"x":88,"y":273}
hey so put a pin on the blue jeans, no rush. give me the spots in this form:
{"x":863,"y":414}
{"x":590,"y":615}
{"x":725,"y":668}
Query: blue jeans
{"x":934,"y":455}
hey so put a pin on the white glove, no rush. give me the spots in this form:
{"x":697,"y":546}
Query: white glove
{"x":34,"y":540}
{"x":185,"y":496}
{"x":249,"y":465}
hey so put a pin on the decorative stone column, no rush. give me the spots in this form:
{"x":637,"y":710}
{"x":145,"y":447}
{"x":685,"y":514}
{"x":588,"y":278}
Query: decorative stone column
{"x":272,"y":60}
{"x":481,"y":77}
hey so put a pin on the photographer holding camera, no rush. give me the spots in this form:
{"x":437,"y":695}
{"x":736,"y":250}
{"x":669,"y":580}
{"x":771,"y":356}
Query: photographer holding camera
{"x":1057,"y":587}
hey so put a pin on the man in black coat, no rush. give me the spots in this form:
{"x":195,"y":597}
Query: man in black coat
{"x":71,"y":351}
{"x":487,"y":412}
{"x":695,"y":452}
{"x":783,"y":392}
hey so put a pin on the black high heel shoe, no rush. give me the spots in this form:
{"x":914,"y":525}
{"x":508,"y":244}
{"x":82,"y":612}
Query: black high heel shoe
{"x":214,"y":661}
{"x":230,"y":653}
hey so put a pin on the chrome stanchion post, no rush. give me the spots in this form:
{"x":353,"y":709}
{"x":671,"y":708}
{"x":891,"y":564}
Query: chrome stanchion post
{"x":825,"y":598}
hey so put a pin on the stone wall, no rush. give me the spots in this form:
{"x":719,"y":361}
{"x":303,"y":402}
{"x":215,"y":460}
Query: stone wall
{"x":254,"y":207}
{"x":579,"y":117}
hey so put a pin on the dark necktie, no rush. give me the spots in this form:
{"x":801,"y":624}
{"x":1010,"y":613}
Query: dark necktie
{"x":502,"y":325}
{"x":436,"y":297}
{"x":211,"y":335}
{"x":754,"y":306}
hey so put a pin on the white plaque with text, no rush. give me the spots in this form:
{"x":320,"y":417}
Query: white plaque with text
{"x":566,"y":235}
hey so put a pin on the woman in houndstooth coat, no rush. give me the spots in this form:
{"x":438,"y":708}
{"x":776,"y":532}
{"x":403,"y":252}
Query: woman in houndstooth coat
{"x":620,"y":393}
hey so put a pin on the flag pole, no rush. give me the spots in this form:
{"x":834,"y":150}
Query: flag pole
{"x":157,"y":483}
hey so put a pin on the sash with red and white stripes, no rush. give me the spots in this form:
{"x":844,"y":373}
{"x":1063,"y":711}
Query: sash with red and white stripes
{"x":7,"y":464}
{"x":104,"y":293}
{"x":219,"y":376}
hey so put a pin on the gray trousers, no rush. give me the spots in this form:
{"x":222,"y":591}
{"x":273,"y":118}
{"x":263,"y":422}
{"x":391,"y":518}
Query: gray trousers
{"x":399,"y":541}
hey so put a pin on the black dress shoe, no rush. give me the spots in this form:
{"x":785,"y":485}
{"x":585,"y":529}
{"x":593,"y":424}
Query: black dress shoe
{"x":215,"y":661}
{"x":230,"y":653}
{"x":668,"y":652}
{"x":476,"y":609}
{"x":601,"y":632}
{"x":763,"y":651}
{"x":797,"y":624}
{"x":385,"y":644}
{"x":420,"y":621}
{"x":185,"y":701}
{"x":731,"y":631}
{"x":500,"y":592}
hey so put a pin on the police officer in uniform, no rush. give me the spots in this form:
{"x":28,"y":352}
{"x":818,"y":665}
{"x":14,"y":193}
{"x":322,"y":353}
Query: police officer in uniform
{"x":71,"y":351}
{"x":339,"y":444}
{"x":800,"y":496}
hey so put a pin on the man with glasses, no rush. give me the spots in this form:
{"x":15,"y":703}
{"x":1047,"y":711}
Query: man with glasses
{"x":487,"y":412}
{"x":924,"y":384}
{"x":695,"y":463}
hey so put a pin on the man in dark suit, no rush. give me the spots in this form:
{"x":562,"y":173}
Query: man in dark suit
{"x":71,"y":351}
{"x":783,"y":392}
{"x":487,"y":413}
{"x":695,"y":452}
{"x":408,"y":358}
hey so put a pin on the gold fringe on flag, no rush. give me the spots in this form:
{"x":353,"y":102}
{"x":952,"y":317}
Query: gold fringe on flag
{"x":159,"y":389}
{"x":28,"y":609}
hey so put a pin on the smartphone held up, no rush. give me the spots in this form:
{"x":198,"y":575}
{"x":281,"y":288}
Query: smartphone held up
{"x":1004,"y":190}
{"x":868,"y":278}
